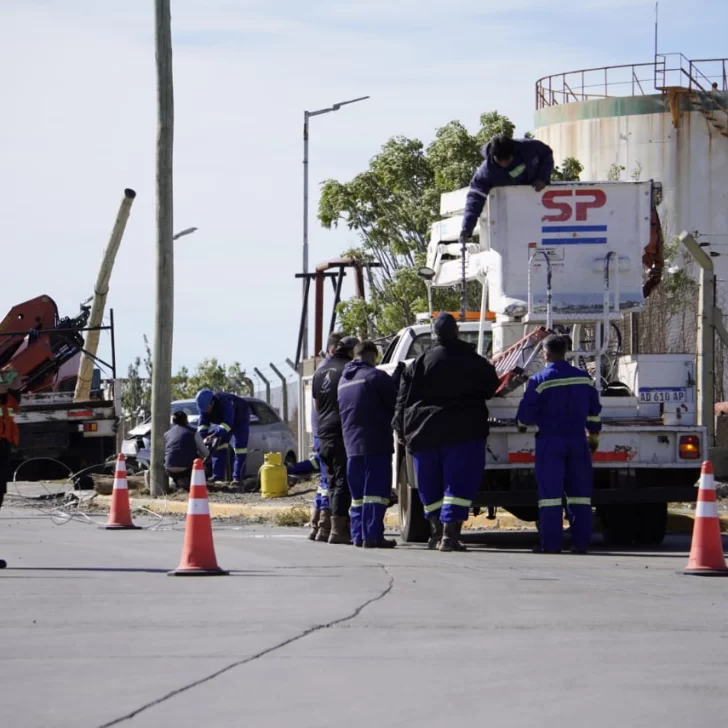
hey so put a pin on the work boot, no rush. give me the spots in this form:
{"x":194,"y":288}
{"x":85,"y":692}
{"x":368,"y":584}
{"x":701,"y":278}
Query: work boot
{"x":538,"y":549}
{"x":435,"y":532}
{"x":340,"y":533}
{"x":324,"y":525}
{"x":315,"y":516}
{"x":451,"y":537}
{"x":383,"y":543}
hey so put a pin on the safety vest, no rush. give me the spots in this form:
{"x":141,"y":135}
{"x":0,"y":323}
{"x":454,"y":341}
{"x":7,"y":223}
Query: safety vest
{"x":8,"y":428}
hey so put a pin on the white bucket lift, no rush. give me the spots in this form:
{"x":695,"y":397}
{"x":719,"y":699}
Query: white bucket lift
{"x":570,"y":255}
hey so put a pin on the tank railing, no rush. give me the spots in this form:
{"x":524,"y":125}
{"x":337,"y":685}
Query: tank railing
{"x":701,"y":75}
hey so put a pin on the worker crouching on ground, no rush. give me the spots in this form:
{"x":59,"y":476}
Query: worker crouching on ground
{"x":231,"y":414}
{"x":367,"y":397}
{"x":182,"y":444}
{"x":321,"y":510}
{"x":442,"y":416}
{"x":507,"y":162}
{"x":564,"y":403}
{"x":9,"y":438}
{"x":331,"y":438}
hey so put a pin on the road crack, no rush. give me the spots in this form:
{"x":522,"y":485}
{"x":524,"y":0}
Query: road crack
{"x":257,"y":656}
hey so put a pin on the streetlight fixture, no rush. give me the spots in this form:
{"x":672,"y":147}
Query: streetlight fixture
{"x":427,"y":274}
{"x":186,"y":231}
{"x":306,"y":116}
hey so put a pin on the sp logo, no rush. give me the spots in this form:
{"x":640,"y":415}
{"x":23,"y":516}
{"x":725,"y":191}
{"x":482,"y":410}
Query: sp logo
{"x":585,"y":200}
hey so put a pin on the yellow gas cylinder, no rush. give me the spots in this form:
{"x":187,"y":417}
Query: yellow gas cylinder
{"x":273,"y":476}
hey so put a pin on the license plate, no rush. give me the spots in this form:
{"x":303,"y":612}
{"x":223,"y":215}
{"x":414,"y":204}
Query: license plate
{"x":664,"y":395}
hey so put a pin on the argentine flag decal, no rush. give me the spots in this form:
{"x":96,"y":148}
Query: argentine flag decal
{"x":574,"y":235}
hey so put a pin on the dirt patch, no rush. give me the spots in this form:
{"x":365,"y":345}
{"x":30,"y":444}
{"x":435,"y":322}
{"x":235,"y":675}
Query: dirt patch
{"x":300,"y":491}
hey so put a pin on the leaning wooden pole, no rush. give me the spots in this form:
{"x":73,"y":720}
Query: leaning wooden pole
{"x":101,"y":290}
{"x":164,"y":314}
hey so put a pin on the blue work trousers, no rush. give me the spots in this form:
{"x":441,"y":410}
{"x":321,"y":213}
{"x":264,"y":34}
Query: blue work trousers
{"x":564,"y":467}
{"x":321,"y":502}
{"x":448,"y":478}
{"x":370,"y":483}
{"x":239,"y":439}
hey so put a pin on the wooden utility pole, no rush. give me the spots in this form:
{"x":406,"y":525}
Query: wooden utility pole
{"x":164,"y":313}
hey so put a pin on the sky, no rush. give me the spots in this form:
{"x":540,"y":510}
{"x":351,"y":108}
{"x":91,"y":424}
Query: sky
{"x":78,"y":125}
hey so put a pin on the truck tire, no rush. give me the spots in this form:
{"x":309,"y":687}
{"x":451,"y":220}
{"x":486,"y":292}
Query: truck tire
{"x":651,"y":523}
{"x":619,"y":524}
{"x":414,"y":527}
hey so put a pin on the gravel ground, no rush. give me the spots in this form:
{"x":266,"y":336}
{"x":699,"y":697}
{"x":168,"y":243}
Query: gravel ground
{"x":300,"y":491}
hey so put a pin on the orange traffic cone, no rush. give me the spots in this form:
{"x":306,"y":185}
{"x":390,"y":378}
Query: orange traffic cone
{"x":706,"y":552}
{"x":198,"y":552}
{"x":120,"y":513}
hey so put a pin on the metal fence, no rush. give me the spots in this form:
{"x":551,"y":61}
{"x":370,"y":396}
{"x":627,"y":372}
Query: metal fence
{"x":668,"y":70}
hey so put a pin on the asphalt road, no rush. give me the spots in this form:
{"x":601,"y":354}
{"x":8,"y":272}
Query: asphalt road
{"x":94,"y":633}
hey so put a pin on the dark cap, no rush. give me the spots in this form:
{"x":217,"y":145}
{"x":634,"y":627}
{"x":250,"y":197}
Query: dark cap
{"x":446,"y":328}
{"x":347,"y":345}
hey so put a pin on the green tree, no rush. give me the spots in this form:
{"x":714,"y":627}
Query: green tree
{"x":392,"y":206}
{"x":136,"y":389}
{"x":570,"y":171}
{"x":211,"y":374}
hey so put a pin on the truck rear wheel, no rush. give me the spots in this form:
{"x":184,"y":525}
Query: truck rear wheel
{"x":619,"y":524}
{"x":643,"y":523}
{"x":651,"y":523}
{"x":414,"y":527}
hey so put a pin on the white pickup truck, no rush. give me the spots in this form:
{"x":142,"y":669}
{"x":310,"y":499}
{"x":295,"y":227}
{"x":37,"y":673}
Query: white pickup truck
{"x":579,"y":277}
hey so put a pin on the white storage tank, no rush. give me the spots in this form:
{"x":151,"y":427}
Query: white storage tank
{"x":664,"y":120}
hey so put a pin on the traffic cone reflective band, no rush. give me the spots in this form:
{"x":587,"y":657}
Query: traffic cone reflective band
{"x":706,"y":552}
{"x":120,"y":513}
{"x":198,"y":552}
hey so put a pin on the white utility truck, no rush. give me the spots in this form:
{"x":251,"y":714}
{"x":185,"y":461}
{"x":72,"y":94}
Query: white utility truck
{"x":568,"y":260}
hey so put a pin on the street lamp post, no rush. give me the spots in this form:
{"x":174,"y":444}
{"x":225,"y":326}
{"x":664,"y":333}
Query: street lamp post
{"x":306,"y":116}
{"x":186,"y":231}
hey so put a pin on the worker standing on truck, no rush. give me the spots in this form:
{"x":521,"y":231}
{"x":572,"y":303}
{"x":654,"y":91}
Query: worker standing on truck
{"x":231,"y":414}
{"x":506,"y":162}
{"x":367,"y":397}
{"x":442,"y":416}
{"x":564,"y":403}
{"x":9,"y":438}
{"x":182,"y":445}
{"x":331,"y":438}
{"x":321,"y":510}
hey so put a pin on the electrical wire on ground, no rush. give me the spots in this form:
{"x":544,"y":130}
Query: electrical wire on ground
{"x":68,"y":505}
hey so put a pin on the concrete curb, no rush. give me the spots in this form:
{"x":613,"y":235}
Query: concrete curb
{"x":680,"y":522}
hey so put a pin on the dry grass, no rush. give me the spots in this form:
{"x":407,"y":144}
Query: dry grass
{"x":296,"y":516}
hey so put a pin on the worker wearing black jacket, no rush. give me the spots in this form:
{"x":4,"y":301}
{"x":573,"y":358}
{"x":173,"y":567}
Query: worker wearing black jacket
{"x":442,"y":416}
{"x":331,"y":437}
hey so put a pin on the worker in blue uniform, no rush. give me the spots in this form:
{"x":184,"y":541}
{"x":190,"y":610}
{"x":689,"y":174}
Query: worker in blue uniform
{"x":321,"y":509}
{"x":442,"y":417}
{"x":564,"y":403}
{"x":367,"y":397}
{"x":506,"y":162}
{"x":231,"y":414}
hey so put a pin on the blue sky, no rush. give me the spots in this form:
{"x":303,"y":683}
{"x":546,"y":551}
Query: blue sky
{"x":78,"y":125}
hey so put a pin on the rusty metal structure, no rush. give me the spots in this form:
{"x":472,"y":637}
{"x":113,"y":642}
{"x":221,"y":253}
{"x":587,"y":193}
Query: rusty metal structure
{"x":334,"y":270}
